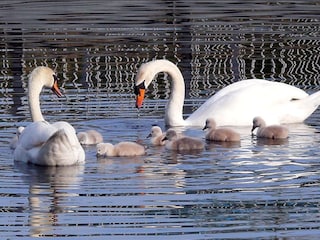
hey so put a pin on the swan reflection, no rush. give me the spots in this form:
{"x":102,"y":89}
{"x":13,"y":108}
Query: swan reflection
{"x":50,"y":190}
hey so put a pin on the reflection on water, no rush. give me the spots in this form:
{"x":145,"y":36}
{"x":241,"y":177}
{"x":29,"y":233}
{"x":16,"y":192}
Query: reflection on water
{"x":255,"y":189}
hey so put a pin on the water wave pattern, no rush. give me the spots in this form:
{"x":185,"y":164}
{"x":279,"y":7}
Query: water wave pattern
{"x":258,"y":189}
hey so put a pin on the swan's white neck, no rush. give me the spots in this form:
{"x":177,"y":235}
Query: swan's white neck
{"x":34,"y":89}
{"x":174,"y":108}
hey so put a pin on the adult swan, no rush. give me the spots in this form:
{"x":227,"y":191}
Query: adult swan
{"x":42,"y":143}
{"x":236,"y":104}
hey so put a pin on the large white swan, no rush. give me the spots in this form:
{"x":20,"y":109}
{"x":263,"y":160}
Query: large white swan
{"x":237,"y":104}
{"x":43,"y":143}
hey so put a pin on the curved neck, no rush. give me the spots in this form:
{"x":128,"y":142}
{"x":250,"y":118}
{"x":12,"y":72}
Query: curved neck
{"x":34,"y":102}
{"x":174,"y":108}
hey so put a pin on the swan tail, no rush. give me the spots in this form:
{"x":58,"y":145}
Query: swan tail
{"x":314,"y":99}
{"x":301,"y":109}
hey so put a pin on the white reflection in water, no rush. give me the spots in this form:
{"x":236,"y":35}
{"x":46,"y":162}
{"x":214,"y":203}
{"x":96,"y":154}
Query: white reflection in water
{"x":50,"y":190}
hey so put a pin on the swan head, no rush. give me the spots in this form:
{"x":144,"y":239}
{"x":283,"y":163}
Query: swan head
{"x":257,"y":122}
{"x":170,"y":135}
{"x":82,"y":137}
{"x":210,"y":123}
{"x":45,"y":77}
{"x":143,"y":80}
{"x":146,"y":73}
{"x":155,"y":131}
{"x":139,"y":91}
{"x":104,"y":149}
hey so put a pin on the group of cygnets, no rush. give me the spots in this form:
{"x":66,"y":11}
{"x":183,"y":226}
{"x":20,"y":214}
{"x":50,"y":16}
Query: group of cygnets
{"x":178,"y":142}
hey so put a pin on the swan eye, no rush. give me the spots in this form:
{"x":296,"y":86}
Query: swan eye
{"x":138,"y":87}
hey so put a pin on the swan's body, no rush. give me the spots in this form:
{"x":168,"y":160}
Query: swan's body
{"x":42,"y":143}
{"x":89,"y":137}
{"x":220,"y":134}
{"x":271,"y":132}
{"x":236,"y":104}
{"x":183,"y":143}
{"x":121,"y":149}
{"x":156,"y":135}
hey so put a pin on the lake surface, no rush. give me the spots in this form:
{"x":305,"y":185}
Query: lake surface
{"x":257,"y":190}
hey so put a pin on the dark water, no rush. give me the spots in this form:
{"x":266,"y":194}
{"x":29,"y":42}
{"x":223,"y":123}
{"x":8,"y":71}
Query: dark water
{"x":255,"y":190}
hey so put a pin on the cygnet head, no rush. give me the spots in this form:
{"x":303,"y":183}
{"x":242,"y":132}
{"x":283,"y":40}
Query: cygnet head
{"x":104,"y":149}
{"x":19,"y":130}
{"x":210,"y":123}
{"x":170,"y":135}
{"x":82,"y":137}
{"x":257,"y":122}
{"x":155,"y":131}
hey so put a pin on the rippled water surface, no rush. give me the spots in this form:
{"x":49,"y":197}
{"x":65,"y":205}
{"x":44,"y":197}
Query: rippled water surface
{"x":258,"y":189}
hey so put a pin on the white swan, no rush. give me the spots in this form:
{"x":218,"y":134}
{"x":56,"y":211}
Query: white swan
{"x":271,"y":131}
{"x":42,"y":143}
{"x":121,"y":149}
{"x":236,"y":104}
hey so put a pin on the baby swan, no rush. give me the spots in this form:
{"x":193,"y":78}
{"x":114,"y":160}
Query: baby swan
{"x":122,"y":149}
{"x":271,"y":132}
{"x":220,"y":134}
{"x":183,"y":143}
{"x":156,"y":136}
{"x":89,"y":137}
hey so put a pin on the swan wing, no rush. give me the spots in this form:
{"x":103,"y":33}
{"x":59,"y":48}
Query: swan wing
{"x":57,"y":151}
{"x":35,"y":134}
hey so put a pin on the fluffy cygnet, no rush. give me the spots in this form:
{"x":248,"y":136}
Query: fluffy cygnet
{"x":156,"y":135}
{"x":183,"y":143}
{"x":89,"y":137}
{"x":122,"y":149}
{"x":14,"y":140}
{"x":220,"y":134}
{"x":271,"y":132}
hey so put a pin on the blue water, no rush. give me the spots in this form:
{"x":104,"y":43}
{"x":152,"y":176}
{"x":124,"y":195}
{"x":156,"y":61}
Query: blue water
{"x":255,"y":190}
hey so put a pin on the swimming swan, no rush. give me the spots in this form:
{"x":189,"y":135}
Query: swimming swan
{"x":89,"y":137}
{"x":271,"y":132}
{"x":156,"y":135}
{"x":122,"y":149}
{"x":183,"y":143}
{"x":42,"y":143}
{"x":236,"y":104}
{"x":220,"y":134}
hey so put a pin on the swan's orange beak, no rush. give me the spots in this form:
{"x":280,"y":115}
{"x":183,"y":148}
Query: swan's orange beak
{"x":140,"y":98}
{"x":55,"y":87}
{"x":139,"y":90}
